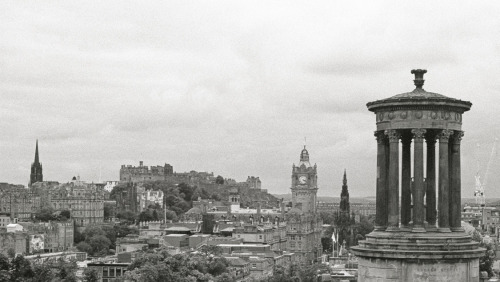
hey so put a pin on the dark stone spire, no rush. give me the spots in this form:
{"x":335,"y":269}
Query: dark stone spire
{"x":36,"y":168}
{"x":36,"y":153}
{"x":344,"y":197}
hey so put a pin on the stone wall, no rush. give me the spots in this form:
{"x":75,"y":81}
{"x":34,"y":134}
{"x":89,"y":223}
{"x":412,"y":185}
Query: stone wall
{"x":378,"y":270}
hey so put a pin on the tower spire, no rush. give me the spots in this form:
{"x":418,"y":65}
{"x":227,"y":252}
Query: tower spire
{"x":36,"y":153}
{"x":344,"y":181}
{"x":36,"y":168}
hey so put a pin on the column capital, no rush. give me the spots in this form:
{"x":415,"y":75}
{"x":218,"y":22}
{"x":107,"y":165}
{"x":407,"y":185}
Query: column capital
{"x":418,"y":134}
{"x":457,"y":137}
{"x":444,"y":135}
{"x":380,"y":136}
{"x":393,"y":135}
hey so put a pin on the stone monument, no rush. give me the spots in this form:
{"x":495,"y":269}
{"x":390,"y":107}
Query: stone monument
{"x":420,"y":239}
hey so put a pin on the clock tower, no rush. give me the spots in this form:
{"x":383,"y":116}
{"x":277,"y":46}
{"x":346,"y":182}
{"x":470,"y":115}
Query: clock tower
{"x":304,"y":184}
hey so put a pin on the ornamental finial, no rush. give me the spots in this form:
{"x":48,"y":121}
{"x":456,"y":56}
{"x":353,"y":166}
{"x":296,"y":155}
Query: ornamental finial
{"x":419,"y":77}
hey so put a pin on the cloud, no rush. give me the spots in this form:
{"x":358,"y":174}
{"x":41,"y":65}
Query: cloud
{"x":231,"y":87}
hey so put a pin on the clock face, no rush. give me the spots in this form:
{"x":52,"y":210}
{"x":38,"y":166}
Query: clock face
{"x":302,"y":180}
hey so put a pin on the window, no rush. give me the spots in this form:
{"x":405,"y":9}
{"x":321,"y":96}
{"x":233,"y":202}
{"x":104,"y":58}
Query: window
{"x":260,"y":236}
{"x":105,"y":272}
{"x":112,"y":272}
{"x":118,"y":272}
{"x":254,"y":265}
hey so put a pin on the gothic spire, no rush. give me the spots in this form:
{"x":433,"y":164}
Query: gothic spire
{"x":36,"y":168}
{"x":36,"y":153}
{"x":344,"y":196}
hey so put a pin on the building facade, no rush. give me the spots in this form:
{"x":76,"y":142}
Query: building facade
{"x":17,"y":202}
{"x":304,"y":225}
{"x":84,"y":201}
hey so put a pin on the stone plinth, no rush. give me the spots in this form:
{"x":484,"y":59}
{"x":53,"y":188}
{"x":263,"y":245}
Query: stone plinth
{"x":410,"y":256}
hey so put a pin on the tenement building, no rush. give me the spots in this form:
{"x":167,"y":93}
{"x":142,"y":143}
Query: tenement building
{"x":304,"y":225}
{"x":84,"y":201}
{"x":420,"y":239}
{"x":17,"y":202}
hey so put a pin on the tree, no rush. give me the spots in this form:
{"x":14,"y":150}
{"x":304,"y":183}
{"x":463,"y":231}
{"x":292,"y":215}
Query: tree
{"x":170,"y":215}
{"x":45,"y":214}
{"x":126,"y":215}
{"x":65,"y":214}
{"x":365,"y":225}
{"x":160,"y":266}
{"x":93,"y":230}
{"x":21,"y":268}
{"x":211,"y":250}
{"x":186,"y":190}
{"x":90,"y":275}
{"x":219,"y":180}
{"x":84,"y":247}
{"x":145,"y":216}
{"x":327,"y":217}
{"x":109,"y":211}
{"x":486,"y":261}
{"x":4,"y":268}
{"x":99,"y":245}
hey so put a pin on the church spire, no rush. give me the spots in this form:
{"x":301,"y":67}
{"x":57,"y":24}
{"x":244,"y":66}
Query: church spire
{"x":344,"y":181}
{"x":36,"y":153}
{"x":36,"y":168}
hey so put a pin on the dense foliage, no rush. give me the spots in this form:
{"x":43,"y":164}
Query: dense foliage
{"x":47,"y":213}
{"x":159,"y":265}
{"x":486,"y":261}
{"x":296,"y":273}
{"x":97,"y":240}
{"x":20,"y":269}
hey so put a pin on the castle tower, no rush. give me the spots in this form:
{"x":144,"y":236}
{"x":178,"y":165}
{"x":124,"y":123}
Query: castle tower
{"x":36,"y":168}
{"x":421,"y":239}
{"x":304,"y":184}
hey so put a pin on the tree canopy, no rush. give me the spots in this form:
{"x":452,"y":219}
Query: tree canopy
{"x":21,"y":269}
{"x":196,"y":266}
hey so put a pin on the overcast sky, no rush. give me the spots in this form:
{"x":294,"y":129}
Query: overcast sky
{"x":234,"y":87}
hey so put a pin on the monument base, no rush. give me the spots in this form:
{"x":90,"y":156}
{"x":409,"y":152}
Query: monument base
{"x":410,"y":256}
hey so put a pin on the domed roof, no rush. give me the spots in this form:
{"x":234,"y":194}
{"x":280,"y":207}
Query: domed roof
{"x":419,"y":97}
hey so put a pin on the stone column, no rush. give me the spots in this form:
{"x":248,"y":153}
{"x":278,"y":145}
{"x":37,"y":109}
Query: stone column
{"x":418,"y":176}
{"x":393,"y":179}
{"x":444,"y":185}
{"x":455,"y":183}
{"x":430,"y":181}
{"x":406,"y":181}
{"x":382,"y":192}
